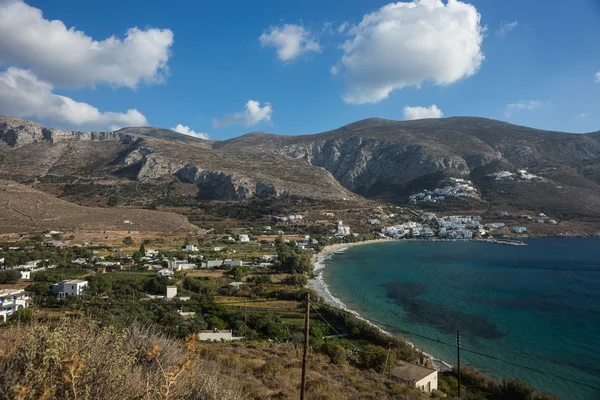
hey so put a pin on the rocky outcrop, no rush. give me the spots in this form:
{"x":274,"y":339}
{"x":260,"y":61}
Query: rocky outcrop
{"x":219,"y":185}
{"x":359,"y":164}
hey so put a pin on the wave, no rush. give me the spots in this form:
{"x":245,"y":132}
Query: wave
{"x":321,"y":287}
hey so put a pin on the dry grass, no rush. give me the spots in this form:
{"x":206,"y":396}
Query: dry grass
{"x":272,"y":371}
{"x":78,"y":359}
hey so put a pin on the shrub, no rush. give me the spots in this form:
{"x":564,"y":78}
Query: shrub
{"x":10,"y":276}
{"x":80,"y":359}
{"x":334,"y":351}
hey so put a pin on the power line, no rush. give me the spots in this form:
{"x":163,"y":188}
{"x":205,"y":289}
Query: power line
{"x":463,"y":349}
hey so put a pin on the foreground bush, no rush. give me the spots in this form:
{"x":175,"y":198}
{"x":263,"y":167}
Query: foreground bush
{"x":79,"y":359}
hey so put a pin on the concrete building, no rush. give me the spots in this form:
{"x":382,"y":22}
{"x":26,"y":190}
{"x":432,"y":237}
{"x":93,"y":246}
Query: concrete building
{"x":73,"y":287}
{"x":171,"y":292}
{"x":190,"y":247}
{"x":26,"y":275}
{"x":519,"y":229}
{"x":217,"y":335}
{"x":12,"y":300}
{"x":417,"y":376}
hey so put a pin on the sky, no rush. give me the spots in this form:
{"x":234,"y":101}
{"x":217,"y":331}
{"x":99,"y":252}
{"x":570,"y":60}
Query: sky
{"x":222,"y":69}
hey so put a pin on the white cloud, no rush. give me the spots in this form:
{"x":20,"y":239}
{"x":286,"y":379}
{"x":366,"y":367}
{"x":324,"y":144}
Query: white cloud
{"x":342,"y":28}
{"x":506,"y":27}
{"x":584,"y":115}
{"x":290,"y":41}
{"x":522,"y":105}
{"x":404,"y":44}
{"x":411,"y":113}
{"x":23,"y":95}
{"x":68,"y":57}
{"x":186,"y":130}
{"x":252,"y":115}
{"x":597,"y":77}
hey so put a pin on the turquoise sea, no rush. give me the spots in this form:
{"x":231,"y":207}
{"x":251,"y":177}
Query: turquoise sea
{"x":536,"y":305}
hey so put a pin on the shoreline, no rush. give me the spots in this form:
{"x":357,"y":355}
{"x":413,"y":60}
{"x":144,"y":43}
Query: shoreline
{"x":319,"y":285}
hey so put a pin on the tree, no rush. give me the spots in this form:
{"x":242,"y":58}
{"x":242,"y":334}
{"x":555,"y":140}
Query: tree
{"x":239,"y":272}
{"x":128,"y":241}
{"x":10,"y":276}
{"x":142,"y":250}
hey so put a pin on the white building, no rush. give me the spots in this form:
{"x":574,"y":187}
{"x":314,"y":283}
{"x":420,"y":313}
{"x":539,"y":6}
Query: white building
{"x":233,"y":263}
{"x":12,"y":300}
{"x":244,"y":238}
{"x":417,"y":376}
{"x":26,"y":275}
{"x":212,"y":264}
{"x":342,"y":230}
{"x":73,"y":287}
{"x":171,"y":292}
{"x":519,"y":229}
{"x":190,"y":247}
{"x":165,"y":273}
{"x":217,"y":335}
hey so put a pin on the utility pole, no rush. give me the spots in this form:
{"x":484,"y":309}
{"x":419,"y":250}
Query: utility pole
{"x":305,"y":357}
{"x":458,"y":358}
{"x":245,"y":319}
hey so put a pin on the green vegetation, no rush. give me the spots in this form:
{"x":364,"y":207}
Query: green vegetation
{"x":10,"y":276}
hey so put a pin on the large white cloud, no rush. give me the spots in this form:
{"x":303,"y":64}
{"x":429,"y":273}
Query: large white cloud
{"x":252,"y":115}
{"x":186,"y":130}
{"x":290,"y":41}
{"x":68,"y":57}
{"x":522,"y":105}
{"x":411,"y":113}
{"x":404,"y":44}
{"x":23,"y":95}
{"x":597,"y":77}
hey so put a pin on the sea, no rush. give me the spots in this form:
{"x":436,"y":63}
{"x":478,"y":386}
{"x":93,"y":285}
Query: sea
{"x":537,"y":306}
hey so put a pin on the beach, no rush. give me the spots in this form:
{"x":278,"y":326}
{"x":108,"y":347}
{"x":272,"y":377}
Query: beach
{"x":319,"y":285}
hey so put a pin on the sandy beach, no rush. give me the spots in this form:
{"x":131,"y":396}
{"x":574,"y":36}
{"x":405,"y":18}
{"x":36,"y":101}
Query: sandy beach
{"x":335,"y":247}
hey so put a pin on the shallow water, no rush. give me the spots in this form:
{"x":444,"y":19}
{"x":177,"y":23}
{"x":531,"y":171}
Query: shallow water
{"x":536,"y":305}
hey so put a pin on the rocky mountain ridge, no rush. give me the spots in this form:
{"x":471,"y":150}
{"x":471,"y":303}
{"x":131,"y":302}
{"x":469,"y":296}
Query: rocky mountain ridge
{"x":371,"y":158}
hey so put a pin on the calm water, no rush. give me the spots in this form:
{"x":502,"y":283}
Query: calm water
{"x":537,"y":305}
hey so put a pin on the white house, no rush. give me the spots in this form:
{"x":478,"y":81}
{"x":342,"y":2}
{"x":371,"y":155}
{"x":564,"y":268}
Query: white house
{"x":244,"y":238}
{"x":171,"y":292}
{"x":417,"y":376}
{"x":165,"y":273}
{"x":73,"y":287}
{"x":190,"y":247}
{"x":12,"y":300}
{"x":217,"y":335}
{"x":212,"y":263}
{"x":233,"y":263}
{"x":519,"y":229}
{"x":26,"y":275}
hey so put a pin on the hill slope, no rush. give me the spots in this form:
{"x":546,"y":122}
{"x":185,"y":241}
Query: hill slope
{"x":23,"y":209}
{"x":372,"y":158}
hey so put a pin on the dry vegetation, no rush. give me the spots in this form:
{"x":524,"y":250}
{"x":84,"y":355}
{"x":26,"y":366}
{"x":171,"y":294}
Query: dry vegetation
{"x":78,"y":359}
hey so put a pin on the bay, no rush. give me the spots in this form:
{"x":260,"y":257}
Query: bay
{"x":536,"y":305}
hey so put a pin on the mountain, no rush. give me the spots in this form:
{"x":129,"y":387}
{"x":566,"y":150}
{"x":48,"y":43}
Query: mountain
{"x":373,"y":158}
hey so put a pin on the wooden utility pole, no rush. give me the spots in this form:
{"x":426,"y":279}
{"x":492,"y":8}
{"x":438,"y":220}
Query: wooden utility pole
{"x":458,"y":359}
{"x":305,"y":357}
{"x":245,"y":319}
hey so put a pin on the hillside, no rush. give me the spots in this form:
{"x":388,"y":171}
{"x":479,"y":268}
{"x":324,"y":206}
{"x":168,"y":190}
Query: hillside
{"x":23,"y":209}
{"x":373,"y":158}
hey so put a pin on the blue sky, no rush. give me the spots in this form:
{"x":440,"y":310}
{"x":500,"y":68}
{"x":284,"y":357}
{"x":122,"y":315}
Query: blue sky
{"x":208,"y":62}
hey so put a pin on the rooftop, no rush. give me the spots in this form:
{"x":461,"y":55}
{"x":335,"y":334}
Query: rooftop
{"x":8,"y":292}
{"x":411,"y":372}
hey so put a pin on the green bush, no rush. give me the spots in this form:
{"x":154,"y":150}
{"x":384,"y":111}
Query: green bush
{"x":10,"y":276}
{"x":334,"y":351}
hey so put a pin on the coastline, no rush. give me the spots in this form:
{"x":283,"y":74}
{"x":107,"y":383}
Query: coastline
{"x":319,"y":285}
